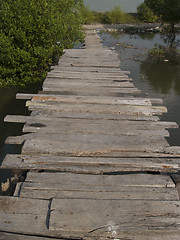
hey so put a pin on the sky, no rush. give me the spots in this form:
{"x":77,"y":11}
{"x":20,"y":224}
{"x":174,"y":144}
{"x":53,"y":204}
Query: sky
{"x":107,"y":5}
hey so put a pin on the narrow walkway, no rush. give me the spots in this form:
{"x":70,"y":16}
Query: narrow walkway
{"x":95,"y":160}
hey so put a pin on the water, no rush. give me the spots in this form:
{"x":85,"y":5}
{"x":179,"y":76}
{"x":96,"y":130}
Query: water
{"x":107,"y":5}
{"x":9,"y":105}
{"x":160,"y":79}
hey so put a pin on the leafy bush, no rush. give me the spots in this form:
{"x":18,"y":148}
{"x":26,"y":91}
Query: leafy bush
{"x":117,"y":16}
{"x":29,"y":32}
{"x":145,"y":14}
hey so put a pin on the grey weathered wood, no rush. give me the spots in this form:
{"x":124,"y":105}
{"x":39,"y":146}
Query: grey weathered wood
{"x":92,"y":165}
{"x":88,"y":99}
{"x":80,"y":84}
{"x":94,"y":183}
{"x":110,"y":217}
{"x":142,"y":186}
{"x":97,"y":108}
{"x":42,"y":116}
{"x":94,"y":100}
{"x":88,"y":144}
{"x":23,"y":215}
{"x":47,"y":192}
{"x":99,"y":91}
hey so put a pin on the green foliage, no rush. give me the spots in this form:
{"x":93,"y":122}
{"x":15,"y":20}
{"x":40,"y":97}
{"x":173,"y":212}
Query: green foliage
{"x":88,"y":15}
{"x":29,"y":32}
{"x":117,"y":16}
{"x":145,"y":14}
{"x":167,"y":10}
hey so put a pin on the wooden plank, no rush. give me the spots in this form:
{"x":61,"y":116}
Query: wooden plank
{"x":99,"y":91}
{"x":87,"y":69}
{"x":99,"y":218}
{"x":95,"y":183}
{"x":88,"y":144}
{"x":81,"y":83}
{"x":136,"y":193}
{"x":93,"y":93}
{"x":37,"y":116}
{"x":141,"y":186}
{"x":26,"y":216}
{"x":90,"y":75}
{"x":92,"y":129}
{"x":93,"y":99}
{"x":97,"y":108}
{"x":92,"y":165}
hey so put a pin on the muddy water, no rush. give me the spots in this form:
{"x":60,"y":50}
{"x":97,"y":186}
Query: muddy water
{"x":160,"y":79}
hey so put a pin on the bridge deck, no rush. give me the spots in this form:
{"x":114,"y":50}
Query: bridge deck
{"x":95,"y":162}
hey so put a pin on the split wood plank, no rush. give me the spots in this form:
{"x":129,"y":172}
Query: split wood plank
{"x":96,"y":165}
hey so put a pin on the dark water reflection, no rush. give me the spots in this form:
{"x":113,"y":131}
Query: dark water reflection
{"x":9,"y":106}
{"x":160,"y":79}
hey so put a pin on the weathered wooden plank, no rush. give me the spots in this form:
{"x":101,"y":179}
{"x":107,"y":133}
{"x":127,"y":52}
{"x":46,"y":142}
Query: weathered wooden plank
{"x":94,"y":100}
{"x":88,"y":144}
{"x":28,"y":216}
{"x":97,"y":108}
{"x":99,"y":91}
{"x":99,"y":218}
{"x":91,"y":75}
{"x":87,"y":69}
{"x":88,"y":78}
{"x":37,"y":116}
{"x":92,"y":165}
{"x":93,"y":93}
{"x":141,"y":186}
{"x":85,"y":84}
{"x":136,"y":193}
{"x":93,"y":129}
{"x":88,"y":99}
{"x":72,"y":181}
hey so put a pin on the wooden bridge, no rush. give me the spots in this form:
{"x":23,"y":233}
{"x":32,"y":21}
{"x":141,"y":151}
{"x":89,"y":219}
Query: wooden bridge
{"x":95,"y":163}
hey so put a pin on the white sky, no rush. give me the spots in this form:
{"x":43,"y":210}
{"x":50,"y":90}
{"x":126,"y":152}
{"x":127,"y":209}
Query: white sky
{"x":106,"y":5}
